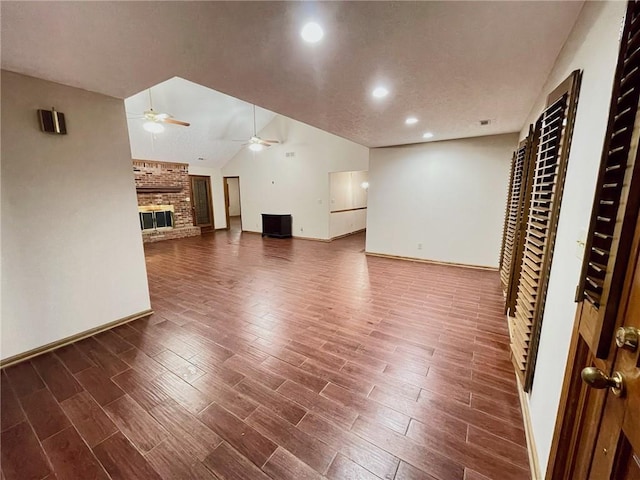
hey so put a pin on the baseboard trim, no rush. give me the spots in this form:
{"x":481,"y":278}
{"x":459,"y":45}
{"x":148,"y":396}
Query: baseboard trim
{"x":313,"y":239}
{"x":347,"y":234}
{"x":534,"y":463}
{"x":434,"y":262}
{"x":6,"y":362}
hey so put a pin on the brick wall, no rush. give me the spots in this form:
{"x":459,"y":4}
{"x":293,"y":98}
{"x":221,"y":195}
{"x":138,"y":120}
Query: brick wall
{"x":149,"y":173}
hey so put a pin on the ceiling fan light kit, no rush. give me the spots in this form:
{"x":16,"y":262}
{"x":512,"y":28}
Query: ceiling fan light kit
{"x":256,"y":143}
{"x":154,"y":120}
{"x":153,"y":127}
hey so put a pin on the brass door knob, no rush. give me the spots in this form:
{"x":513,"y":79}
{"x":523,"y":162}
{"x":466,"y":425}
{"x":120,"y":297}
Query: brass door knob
{"x":596,"y":378}
{"x":627,"y":338}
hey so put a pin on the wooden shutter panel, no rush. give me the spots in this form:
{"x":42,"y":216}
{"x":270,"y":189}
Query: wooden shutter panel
{"x":526,"y":162}
{"x":508,"y":232}
{"x":554,"y":129}
{"x":617,"y":196}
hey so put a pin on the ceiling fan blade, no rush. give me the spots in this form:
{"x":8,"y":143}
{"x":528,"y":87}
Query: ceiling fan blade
{"x":162,"y":116}
{"x":270,"y":141}
{"x":175,"y":122}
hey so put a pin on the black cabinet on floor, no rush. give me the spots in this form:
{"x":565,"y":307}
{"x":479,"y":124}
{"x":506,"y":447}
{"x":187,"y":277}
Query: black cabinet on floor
{"x":276,"y":225}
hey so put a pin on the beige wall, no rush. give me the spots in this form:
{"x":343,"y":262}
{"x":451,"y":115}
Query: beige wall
{"x":72,"y":256}
{"x":592,"y":47}
{"x":234,"y":196}
{"x":346,"y":193}
{"x":440,"y":201}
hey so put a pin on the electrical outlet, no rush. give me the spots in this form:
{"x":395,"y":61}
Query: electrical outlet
{"x":419,"y":246}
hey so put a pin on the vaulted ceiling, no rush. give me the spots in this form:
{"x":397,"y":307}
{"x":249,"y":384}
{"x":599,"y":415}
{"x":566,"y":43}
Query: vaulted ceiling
{"x":449,"y":64}
{"x":220,"y":124}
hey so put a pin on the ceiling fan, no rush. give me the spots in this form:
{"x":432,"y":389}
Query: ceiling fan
{"x":154,"y":120}
{"x":255,"y":142}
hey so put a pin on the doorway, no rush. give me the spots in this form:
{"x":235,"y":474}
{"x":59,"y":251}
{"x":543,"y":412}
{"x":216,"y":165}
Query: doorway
{"x":233,"y":210}
{"x":202,"y":203}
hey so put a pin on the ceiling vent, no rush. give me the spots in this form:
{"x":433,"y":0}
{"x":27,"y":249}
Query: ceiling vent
{"x":485,"y":122}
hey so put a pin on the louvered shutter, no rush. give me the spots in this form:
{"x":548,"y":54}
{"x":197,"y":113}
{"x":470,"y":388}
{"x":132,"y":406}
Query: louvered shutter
{"x":617,"y":196}
{"x":522,"y":206}
{"x":554,"y":137}
{"x":508,"y":232}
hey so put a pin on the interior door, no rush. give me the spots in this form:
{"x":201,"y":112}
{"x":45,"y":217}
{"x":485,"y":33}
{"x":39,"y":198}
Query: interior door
{"x":617,"y":451}
{"x":598,"y":422}
{"x":201,"y":204}
{"x":227,"y":201}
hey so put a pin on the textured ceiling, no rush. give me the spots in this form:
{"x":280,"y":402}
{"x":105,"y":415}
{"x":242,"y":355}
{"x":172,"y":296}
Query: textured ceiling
{"x":448,"y":63}
{"x":216,"y":121}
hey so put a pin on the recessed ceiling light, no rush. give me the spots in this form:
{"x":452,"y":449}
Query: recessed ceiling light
{"x":411,"y":120}
{"x":256,"y":147}
{"x":427,"y":135}
{"x":380,"y":92}
{"x":312,"y":32}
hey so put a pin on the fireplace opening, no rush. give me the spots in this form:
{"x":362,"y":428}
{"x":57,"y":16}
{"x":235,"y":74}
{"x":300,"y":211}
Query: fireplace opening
{"x":156,"y":217}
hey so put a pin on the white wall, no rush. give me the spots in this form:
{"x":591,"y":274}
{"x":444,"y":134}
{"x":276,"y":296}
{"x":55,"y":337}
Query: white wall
{"x":272,"y":182}
{"x":346,"y":194}
{"x":234,"y":196}
{"x":343,"y":223}
{"x":217,"y":192}
{"x":592,"y":47}
{"x":72,"y":256}
{"x":441,"y":201}
{"x":346,"y":191}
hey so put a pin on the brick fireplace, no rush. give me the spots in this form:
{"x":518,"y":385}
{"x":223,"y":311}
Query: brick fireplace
{"x":164,"y":191}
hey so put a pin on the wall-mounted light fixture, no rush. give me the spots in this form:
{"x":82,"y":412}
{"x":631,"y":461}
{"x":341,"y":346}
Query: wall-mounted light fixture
{"x":52,"y":121}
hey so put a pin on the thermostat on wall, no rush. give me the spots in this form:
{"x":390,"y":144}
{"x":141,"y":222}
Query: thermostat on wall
{"x":52,"y":121}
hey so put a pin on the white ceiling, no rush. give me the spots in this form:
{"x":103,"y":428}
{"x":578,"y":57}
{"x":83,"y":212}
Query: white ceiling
{"x":448,"y":63}
{"x":216,"y":121}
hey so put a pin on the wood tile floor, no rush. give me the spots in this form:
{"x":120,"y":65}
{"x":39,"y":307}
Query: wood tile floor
{"x":283,"y":359}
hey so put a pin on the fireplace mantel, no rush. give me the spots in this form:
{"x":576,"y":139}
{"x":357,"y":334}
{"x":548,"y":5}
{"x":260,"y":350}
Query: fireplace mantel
{"x":158,"y":189}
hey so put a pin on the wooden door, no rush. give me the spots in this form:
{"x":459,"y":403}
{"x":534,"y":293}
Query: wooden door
{"x":617,"y":450}
{"x":226,"y":202}
{"x":201,"y":202}
{"x":597,"y":433}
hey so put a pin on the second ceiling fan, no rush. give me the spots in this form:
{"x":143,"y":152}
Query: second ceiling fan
{"x":256,"y":143}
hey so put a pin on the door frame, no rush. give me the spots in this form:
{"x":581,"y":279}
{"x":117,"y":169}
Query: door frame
{"x":207,"y":178}
{"x":225,"y":181}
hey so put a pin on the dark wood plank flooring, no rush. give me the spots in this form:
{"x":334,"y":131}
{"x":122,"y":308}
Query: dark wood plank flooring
{"x":283,"y":359}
